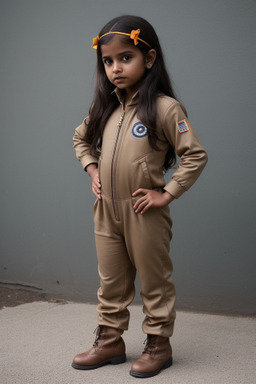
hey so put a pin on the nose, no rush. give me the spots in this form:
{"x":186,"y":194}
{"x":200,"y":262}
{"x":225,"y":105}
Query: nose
{"x":116,"y":67}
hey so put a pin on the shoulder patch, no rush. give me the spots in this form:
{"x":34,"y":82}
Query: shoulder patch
{"x":183,"y":126}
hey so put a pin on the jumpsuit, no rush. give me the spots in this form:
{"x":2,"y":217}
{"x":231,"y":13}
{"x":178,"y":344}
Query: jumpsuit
{"x":128,"y":243}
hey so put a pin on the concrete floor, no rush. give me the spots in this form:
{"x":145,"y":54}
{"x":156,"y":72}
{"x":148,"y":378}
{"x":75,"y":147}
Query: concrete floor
{"x":38,"y":342}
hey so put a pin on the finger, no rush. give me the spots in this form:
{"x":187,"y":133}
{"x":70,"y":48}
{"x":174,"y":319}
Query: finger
{"x":140,"y":190}
{"x":141,"y":207}
{"x":136,"y":192}
{"x":96,"y":191}
{"x":95,"y":194}
{"x":145,"y":209}
{"x":138,"y":202}
{"x":97,"y":183}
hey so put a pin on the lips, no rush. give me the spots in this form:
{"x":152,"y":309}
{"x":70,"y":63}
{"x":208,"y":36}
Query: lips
{"x":119,"y":79}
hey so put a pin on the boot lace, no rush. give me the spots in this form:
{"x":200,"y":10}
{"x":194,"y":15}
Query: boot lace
{"x":98,"y":332}
{"x":150,"y":344}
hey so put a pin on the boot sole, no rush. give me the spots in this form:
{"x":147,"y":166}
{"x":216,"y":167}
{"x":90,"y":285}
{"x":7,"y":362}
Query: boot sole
{"x":114,"y":360}
{"x":142,"y":375}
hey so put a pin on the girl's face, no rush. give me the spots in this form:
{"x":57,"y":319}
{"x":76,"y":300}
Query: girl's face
{"x":125,"y":65}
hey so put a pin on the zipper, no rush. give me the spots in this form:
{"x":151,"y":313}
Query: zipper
{"x":113,"y":186}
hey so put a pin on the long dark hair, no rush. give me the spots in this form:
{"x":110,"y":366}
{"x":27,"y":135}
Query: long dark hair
{"x":155,"y":82}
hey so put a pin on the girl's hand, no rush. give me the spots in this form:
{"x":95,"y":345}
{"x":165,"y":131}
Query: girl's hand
{"x":93,"y":172}
{"x":151,"y":199}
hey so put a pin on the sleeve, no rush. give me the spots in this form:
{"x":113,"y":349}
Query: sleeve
{"x":82,"y":148}
{"x":193,"y":156}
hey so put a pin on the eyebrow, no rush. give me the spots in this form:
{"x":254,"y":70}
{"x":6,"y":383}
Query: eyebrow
{"x":119,"y":54}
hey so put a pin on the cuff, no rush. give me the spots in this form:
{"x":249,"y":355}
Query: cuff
{"x":175,"y":189}
{"x":88,"y":159}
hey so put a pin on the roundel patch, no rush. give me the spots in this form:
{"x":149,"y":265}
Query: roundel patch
{"x":139,"y":130}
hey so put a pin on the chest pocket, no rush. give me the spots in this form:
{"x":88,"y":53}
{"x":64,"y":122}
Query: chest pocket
{"x":141,"y":174}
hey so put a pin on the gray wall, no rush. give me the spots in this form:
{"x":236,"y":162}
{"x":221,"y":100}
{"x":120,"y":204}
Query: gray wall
{"x":47,"y":69}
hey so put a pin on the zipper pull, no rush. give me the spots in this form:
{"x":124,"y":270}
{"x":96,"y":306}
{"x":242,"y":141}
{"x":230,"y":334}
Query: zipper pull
{"x":121,"y":120}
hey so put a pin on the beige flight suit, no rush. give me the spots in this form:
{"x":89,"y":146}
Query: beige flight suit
{"x":127,"y":242}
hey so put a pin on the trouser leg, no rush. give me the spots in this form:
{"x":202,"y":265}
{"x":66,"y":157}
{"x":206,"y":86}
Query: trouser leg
{"x":148,"y":242}
{"x":117,"y":273}
{"x":117,"y":276}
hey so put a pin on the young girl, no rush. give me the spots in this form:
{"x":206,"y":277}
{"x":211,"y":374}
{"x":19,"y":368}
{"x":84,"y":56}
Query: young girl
{"x":134,"y":130}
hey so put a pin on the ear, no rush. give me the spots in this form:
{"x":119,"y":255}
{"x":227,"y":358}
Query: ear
{"x":150,"y":58}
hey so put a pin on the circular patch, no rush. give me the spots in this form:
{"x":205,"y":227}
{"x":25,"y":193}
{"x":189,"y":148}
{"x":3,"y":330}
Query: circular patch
{"x":139,"y":130}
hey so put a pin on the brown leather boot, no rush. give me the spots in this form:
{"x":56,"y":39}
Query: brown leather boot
{"x":108,"y":348}
{"x":156,"y":356}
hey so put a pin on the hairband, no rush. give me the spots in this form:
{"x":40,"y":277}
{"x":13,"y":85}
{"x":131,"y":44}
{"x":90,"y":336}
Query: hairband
{"x":134,"y":35}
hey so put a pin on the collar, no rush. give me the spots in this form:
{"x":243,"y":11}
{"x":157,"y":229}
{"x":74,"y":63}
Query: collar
{"x":120,"y":95}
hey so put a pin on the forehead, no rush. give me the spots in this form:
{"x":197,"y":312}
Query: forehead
{"x":117,"y":45}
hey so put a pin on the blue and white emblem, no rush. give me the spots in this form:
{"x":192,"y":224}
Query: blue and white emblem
{"x":139,"y":130}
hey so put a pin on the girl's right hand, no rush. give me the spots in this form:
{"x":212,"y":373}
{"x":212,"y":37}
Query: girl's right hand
{"x":93,"y":172}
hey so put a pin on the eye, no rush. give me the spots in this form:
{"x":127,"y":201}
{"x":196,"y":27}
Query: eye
{"x":127,"y":57}
{"x":107,"y":61}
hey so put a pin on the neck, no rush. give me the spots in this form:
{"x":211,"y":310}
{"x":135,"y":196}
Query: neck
{"x":126,"y":98}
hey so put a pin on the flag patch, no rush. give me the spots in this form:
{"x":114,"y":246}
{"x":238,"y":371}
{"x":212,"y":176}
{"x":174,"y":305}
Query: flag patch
{"x":183,"y":126}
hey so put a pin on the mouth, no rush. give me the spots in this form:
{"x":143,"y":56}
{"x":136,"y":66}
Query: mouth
{"x":119,"y":79}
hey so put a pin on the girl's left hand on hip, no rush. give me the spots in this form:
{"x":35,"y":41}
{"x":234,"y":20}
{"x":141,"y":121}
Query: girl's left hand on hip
{"x":150,"y":198}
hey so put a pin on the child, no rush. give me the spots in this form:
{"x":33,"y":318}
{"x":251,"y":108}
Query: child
{"x":135,"y":127}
